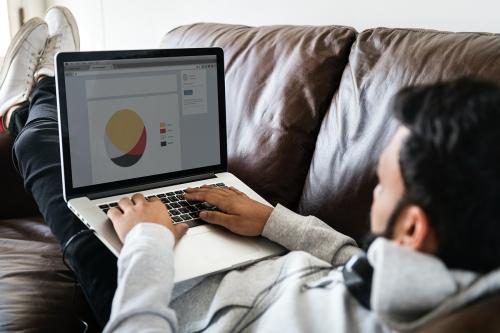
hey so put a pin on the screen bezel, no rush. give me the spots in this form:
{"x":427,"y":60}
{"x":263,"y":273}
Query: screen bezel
{"x":72,"y":192}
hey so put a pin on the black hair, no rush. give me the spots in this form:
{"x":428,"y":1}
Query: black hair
{"x":450,"y":165}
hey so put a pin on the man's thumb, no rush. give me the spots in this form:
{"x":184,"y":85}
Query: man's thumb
{"x":180,"y":230}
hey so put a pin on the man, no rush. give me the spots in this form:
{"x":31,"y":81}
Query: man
{"x":433,"y":220}
{"x":438,"y":211}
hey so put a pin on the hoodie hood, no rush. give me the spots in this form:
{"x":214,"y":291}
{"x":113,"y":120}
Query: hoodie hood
{"x":410,"y":288}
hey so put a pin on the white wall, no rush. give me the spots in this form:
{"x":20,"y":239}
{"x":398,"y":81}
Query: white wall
{"x":9,"y":18}
{"x":4,"y":28}
{"x":31,"y":9}
{"x":119,"y":24}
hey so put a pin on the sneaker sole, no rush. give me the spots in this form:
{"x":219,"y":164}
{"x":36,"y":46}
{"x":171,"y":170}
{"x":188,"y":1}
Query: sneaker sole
{"x":72,"y":23}
{"x":18,"y":41}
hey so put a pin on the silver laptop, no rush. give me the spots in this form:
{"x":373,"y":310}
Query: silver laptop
{"x":154,"y":122}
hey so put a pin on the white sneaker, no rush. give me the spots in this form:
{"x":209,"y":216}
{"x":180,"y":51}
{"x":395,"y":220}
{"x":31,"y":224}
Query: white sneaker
{"x":16,"y":76}
{"x":63,"y":37}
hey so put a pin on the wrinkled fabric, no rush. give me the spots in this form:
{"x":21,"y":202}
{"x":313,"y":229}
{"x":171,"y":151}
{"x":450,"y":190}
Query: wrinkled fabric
{"x":410,"y":288}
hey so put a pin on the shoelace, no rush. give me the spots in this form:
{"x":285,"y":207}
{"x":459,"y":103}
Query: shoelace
{"x":32,"y":65}
{"x":47,"y":57}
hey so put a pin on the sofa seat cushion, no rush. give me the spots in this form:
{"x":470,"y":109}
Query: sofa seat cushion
{"x":279,"y":83}
{"x":36,"y":289}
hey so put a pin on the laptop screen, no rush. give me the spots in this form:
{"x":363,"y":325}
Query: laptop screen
{"x":133,"y":118}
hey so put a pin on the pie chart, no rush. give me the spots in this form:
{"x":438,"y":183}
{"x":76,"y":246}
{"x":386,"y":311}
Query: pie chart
{"x":125,"y":138}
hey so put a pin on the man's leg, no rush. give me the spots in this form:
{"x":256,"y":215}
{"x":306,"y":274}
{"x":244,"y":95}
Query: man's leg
{"x":36,"y":153}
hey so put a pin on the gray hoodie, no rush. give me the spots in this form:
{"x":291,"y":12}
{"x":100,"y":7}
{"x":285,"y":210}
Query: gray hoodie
{"x":302,"y":291}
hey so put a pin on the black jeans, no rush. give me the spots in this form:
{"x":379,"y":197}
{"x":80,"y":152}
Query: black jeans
{"x":36,"y":154}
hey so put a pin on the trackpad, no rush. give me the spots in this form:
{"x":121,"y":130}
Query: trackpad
{"x":202,"y":253}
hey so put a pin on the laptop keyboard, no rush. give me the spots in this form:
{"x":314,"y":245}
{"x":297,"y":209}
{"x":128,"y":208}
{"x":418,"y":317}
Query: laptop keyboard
{"x":180,"y":210}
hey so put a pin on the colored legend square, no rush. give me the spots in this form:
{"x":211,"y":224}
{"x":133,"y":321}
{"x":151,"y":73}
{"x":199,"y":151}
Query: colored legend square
{"x":163,"y":130}
{"x":162,"y":125}
{"x":163,"y":143}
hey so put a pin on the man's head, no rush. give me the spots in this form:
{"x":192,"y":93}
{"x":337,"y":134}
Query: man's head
{"x":439,"y":178}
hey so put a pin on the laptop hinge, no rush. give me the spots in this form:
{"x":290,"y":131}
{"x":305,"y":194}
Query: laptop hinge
{"x":149,"y":186}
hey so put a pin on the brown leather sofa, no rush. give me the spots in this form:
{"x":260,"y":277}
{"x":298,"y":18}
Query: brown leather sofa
{"x":307,"y":119}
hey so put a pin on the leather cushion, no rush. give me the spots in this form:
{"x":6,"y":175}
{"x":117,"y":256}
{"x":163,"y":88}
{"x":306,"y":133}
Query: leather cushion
{"x":481,"y":316}
{"x":36,"y":288}
{"x":279,"y":84}
{"x":358,"y":124}
{"x":16,"y":202}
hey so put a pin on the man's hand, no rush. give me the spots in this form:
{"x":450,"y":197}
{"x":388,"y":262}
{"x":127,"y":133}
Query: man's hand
{"x":238,"y":212}
{"x":138,"y":210}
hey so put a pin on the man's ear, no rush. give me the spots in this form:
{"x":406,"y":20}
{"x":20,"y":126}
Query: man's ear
{"x":414,"y":230}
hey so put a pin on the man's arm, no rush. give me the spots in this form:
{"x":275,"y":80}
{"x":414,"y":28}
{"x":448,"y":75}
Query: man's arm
{"x":145,"y":266}
{"x":309,"y":234}
{"x":247,"y":217}
{"x":145,"y":282}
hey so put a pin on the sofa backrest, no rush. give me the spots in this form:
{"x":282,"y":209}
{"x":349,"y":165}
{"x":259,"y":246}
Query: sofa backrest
{"x":359,"y":124}
{"x":279,"y":84}
{"x":282,"y":88}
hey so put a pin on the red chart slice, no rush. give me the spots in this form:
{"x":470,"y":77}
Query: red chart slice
{"x":140,"y":147}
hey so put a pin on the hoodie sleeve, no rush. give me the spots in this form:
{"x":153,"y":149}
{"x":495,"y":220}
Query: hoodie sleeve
{"x":309,"y":234}
{"x":145,"y":282}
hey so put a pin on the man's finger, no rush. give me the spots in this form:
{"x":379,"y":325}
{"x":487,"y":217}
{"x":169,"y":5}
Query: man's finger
{"x":125,"y":204}
{"x":195,"y":189}
{"x":212,"y":198}
{"x":199,"y":189}
{"x":138,"y":198}
{"x":208,"y":188}
{"x":180,"y":230}
{"x":114,"y":213}
{"x":219,"y":218}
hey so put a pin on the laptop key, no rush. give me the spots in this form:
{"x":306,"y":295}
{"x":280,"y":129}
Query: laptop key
{"x":113,"y":204}
{"x":180,"y":197}
{"x":193,"y":215}
{"x":184,"y":203}
{"x":161,"y":195}
{"x":183,"y":210}
{"x":207,"y":206}
{"x":176,"y":219}
{"x":168,"y":206}
{"x":186,"y":217}
{"x":175,"y":205}
{"x":105,"y":210}
{"x":199,"y":206}
{"x":195,"y":223}
{"x":174,"y":212}
{"x":192,"y":209}
{"x":103,"y":206}
{"x":179,"y":192}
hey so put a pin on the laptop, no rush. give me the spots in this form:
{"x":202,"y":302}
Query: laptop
{"x":154,"y":122}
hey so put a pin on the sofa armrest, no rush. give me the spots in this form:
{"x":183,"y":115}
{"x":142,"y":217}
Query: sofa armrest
{"x":14,"y":200}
